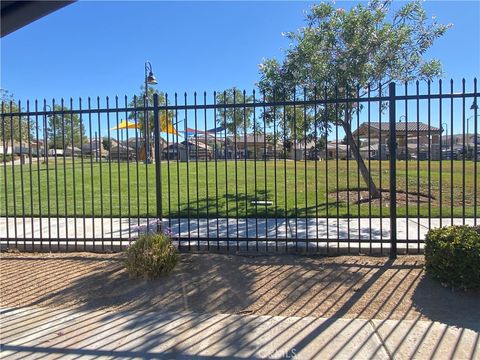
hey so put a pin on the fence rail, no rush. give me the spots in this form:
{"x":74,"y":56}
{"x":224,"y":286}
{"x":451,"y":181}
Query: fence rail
{"x":300,"y":170}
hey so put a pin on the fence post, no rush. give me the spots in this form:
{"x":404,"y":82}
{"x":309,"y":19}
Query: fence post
{"x":392,"y":144}
{"x":158,"y":170}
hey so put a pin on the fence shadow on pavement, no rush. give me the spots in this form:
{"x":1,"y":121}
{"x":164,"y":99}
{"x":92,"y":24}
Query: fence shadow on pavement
{"x":308,"y":306}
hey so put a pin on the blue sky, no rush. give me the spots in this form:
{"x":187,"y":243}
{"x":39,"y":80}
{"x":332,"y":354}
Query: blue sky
{"x":99,"y":48}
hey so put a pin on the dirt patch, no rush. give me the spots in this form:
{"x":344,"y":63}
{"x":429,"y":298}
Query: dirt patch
{"x":344,"y":286}
{"x":363,"y":197}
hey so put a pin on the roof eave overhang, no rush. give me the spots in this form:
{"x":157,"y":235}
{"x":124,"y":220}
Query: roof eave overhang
{"x":17,"y":14}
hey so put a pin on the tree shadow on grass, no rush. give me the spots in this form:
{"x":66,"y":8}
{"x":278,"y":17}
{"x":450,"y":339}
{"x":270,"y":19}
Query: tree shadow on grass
{"x":242,"y":204}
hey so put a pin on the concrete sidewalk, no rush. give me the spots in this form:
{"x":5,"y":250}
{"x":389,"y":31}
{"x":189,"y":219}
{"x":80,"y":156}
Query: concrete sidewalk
{"x":115,"y":232}
{"x":66,"y":333}
{"x":271,"y":228}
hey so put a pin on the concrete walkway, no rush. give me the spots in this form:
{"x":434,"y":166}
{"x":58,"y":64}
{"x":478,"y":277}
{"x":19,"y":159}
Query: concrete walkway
{"x":300,"y":228}
{"x":349,"y":233}
{"x":67,"y":334}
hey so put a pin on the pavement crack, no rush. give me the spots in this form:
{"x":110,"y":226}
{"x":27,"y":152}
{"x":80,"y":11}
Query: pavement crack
{"x":379,"y":338}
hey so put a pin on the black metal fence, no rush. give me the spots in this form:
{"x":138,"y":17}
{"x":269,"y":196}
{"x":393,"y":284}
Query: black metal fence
{"x":325,"y":170}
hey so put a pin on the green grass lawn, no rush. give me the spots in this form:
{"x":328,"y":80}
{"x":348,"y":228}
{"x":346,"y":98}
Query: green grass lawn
{"x":103,"y":189}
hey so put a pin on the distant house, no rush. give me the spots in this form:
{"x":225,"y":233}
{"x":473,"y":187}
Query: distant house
{"x":37,"y":147}
{"x":460,"y":140}
{"x":188,"y":150}
{"x":18,"y":148}
{"x":138,"y":146}
{"x":94,"y":148}
{"x":72,"y":151}
{"x":307,"y":151}
{"x":338,"y":150}
{"x":252,"y":146}
{"x":374,"y":152}
{"x":412,"y":138}
{"x":122,"y":152}
{"x":458,"y":146}
{"x":55,"y":152}
{"x":133,"y":142}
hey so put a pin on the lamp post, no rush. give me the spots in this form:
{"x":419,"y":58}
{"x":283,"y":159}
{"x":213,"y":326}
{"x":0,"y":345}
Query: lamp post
{"x":175,"y":124}
{"x":446,"y":132}
{"x":468,"y":121}
{"x":45,"y":134}
{"x":406,"y":135}
{"x":149,"y":79}
{"x":474,"y":107}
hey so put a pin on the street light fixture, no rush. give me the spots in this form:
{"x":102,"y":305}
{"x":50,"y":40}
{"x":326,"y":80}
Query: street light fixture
{"x":446,"y":132}
{"x":149,"y":79}
{"x":45,"y":134}
{"x":474,"y":107}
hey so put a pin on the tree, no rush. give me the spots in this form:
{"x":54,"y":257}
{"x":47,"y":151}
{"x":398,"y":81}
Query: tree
{"x":19,"y":129}
{"x":140,"y":101}
{"x":234,"y":120}
{"x":65,"y":129}
{"x":342,"y":53}
{"x":106,"y":143}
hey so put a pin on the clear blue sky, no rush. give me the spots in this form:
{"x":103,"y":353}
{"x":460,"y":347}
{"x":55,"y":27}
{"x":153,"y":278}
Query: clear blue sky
{"x":99,"y":48}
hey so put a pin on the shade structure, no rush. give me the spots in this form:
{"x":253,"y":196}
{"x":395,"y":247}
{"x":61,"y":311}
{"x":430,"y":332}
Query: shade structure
{"x":216,"y":130}
{"x":166,"y":125}
{"x":124,"y":124}
{"x":193,"y":132}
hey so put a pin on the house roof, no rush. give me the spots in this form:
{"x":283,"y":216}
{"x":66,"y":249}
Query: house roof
{"x":411,"y":126}
{"x":371,"y":148}
{"x":258,"y":139}
{"x":121,"y":147}
{"x":310,"y":144}
{"x":191,"y":143}
{"x":335,"y":146}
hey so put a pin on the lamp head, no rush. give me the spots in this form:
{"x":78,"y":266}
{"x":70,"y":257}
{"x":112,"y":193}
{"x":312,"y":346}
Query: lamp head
{"x":474,"y":105}
{"x":151,"y":79}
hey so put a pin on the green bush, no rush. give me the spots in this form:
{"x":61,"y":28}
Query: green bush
{"x":452,"y":255}
{"x":150,"y":256}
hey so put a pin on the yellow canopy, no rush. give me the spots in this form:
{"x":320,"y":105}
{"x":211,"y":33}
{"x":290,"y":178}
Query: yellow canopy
{"x":124,"y":124}
{"x":167,"y":126}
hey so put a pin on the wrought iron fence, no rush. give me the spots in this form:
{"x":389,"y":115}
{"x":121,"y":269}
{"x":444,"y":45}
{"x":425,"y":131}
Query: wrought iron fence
{"x":363,"y":170}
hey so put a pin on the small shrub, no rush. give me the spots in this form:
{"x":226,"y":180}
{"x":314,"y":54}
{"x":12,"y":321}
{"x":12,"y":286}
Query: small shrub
{"x":452,"y":255}
{"x":150,"y":256}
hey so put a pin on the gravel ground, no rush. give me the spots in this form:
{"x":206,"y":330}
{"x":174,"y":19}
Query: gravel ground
{"x":287,"y":285}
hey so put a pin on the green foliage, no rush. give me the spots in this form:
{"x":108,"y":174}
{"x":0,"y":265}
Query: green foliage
{"x":5,"y":157}
{"x":235,"y":120}
{"x":452,"y":255}
{"x":140,"y":100}
{"x":344,"y":52}
{"x":20,"y":129}
{"x":347,"y":54}
{"x":150,"y":256}
{"x":366,"y":44}
{"x":65,"y":129}
{"x":106,"y":143}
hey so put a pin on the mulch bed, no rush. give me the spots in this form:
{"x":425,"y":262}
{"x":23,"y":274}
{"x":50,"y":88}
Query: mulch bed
{"x":289,"y":285}
{"x":363,"y":197}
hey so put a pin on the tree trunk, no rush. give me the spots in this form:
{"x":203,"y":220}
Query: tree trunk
{"x":374,"y":193}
